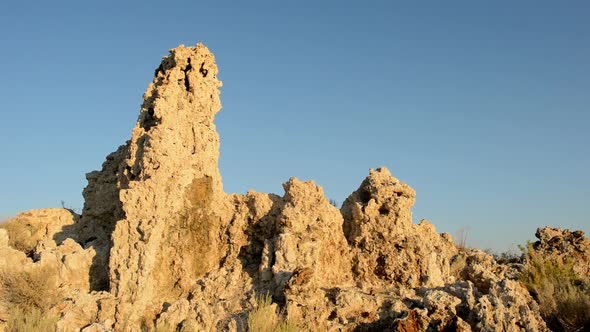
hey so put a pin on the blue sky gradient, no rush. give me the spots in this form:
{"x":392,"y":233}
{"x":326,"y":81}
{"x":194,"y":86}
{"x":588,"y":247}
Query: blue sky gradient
{"x":482,"y":107}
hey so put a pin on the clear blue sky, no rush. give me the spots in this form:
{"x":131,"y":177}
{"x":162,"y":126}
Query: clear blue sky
{"x":481,"y":106}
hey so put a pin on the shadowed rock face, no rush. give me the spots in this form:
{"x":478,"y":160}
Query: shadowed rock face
{"x":159,"y":244}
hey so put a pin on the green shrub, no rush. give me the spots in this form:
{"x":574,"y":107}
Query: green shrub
{"x":563,"y":296}
{"x":266,"y":319}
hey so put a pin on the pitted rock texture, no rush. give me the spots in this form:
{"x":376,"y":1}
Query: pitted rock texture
{"x":40,"y":227}
{"x":160,"y":246}
{"x":309,"y":236}
{"x":37,"y":248}
{"x":387,"y":247}
{"x":565,"y":245}
{"x":170,"y":189}
{"x":45,"y":238}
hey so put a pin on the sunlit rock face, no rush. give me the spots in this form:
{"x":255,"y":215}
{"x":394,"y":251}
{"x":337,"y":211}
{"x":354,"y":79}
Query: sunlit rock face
{"x":387,"y":247}
{"x":170,"y":190}
{"x":159,"y":245}
{"x":565,"y":245}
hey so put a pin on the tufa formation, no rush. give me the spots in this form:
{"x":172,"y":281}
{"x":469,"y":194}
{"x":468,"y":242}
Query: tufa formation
{"x":160,"y":246}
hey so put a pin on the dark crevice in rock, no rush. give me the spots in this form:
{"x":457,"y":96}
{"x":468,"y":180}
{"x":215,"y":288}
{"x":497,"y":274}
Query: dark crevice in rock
{"x":365,"y":196}
{"x":158,"y":70}
{"x":186,"y":70}
{"x":149,"y":119}
{"x":203,"y":70}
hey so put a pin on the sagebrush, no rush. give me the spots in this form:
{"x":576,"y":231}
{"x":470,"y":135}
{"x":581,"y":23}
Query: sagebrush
{"x":563,"y":296}
{"x":31,"y":320}
{"x":27,"y":295}
{"x":33,"y":287}
{"x":266,"y":319}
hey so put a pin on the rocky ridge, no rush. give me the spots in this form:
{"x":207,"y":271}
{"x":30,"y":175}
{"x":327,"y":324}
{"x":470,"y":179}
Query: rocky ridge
{"x":159,"y":244}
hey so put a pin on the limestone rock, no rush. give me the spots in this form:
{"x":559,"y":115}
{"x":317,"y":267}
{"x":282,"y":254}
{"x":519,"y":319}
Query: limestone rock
{"x":309,"y":236}
{"x":42,"y":237}
{"x":564,"y":245}
{"x":169,"y":189}
{"x":102,"y":209}
{"x":442,"y":307}
{"x":96,"y":327}
{"x":8,"y":255}
{"x":160,"y":246}
{"x":480,"y":268}
{"x":508,"y":307}
{"x":72,"y":263}
{"x":387,"y":246}
{"x":87,"y":312}
{"x":47,"y":227}
{"x":4,"y":240}
{"x":416,"y":320}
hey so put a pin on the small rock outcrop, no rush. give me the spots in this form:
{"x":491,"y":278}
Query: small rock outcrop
{"x":564,"y":245}
{"x":160,"y":245}
{"x":387,"y":247}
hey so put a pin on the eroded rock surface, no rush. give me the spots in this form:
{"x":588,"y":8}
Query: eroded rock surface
{"x":159,"y":245}
{"x":564,"y":245}
{"x":387,"y":247}
{"x":170,"y":189}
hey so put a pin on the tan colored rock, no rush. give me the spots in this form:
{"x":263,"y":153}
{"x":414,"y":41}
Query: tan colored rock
{"x":78,"y":312}
{"x":417,"y":320}
{"x":47,"y":227}
{"x":96,"y":327}
{"x":161,"y":246}
{"x":508,"y":307}
{"x":442,"y":306}
{"x":10,"y":259}
{"x":480,"y":268}
{"x":43,"y":235}
{"x":102,"y":209}
{"x":387,"y":246}
{"x":8,"y":255}
{"x":169,"y":189}
{"x":174,"y":315}
{"x":564,"y":245}
{"x":343,"y":309}
{"x":56,"y":262}
{"x":4,"y":240}
{"x":309,"y":237}
{"x":72,"y":263}
{"x":86,"y":312}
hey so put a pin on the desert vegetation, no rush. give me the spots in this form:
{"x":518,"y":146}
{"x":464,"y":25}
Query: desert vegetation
{"x":32,"y":320}
{"x":265,"y":318}
{"x":20,"y":236}
{"x":27,"y":295}
{"x":563,"y":295}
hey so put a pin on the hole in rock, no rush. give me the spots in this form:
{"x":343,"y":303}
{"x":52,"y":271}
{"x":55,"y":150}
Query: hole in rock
{"x":365,"y":196}
{"x":150,"y":120}
{"x":187,"y":84}
{"x":203,"y":70}
{"x":333,"y":315}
